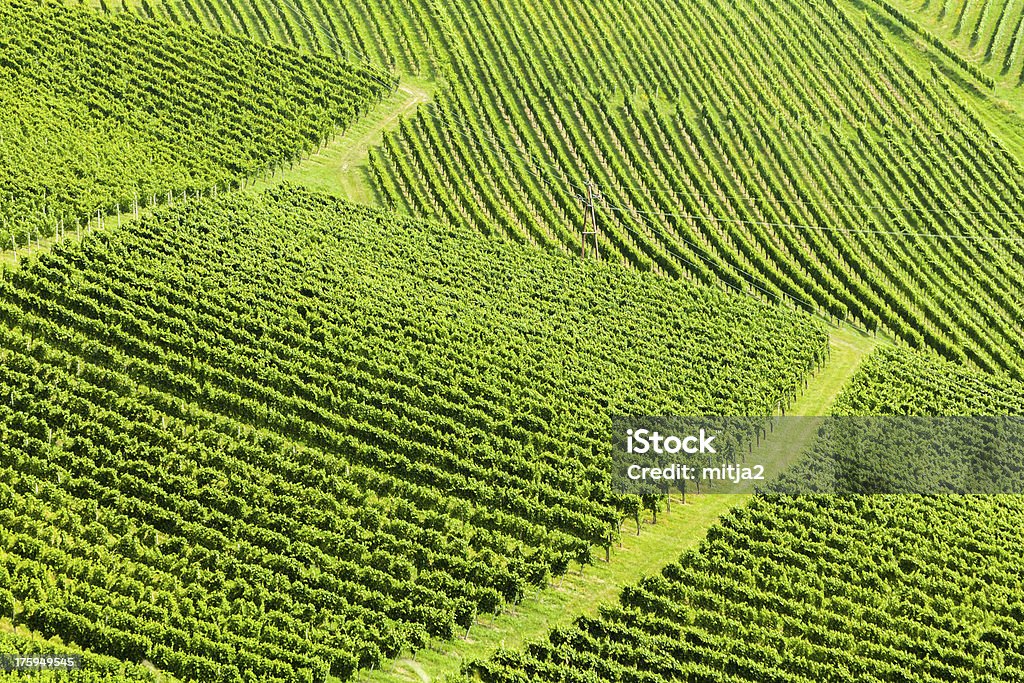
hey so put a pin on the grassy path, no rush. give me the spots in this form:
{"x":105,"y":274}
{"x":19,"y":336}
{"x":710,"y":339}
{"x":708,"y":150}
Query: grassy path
{"x":342,"y":167}
{"x":657,"y":546}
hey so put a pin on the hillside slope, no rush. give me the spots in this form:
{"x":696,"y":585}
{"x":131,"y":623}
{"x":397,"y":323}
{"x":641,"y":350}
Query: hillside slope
{"x":720,"y":144}
{"x":986,"y":37}
{"x":280,"y":434}
{"x":825,"y":588}
{"x":103,"y":112}
{"x":724,"y":152}
{"x":896,"y":381}
{"x":679,"y":526}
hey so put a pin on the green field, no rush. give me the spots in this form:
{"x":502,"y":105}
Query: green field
{"x":822,"y":587}
{"x":104,"y":118}
{"x":330,"y":402}
{"x":983,"y":36}
{"x":303,"y":377}
{"x":645,"y":554}
{"x":754,"y":171}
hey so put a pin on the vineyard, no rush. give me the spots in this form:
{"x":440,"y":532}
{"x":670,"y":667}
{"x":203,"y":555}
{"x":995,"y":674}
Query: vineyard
{"x":985,"y":37}
{"x":898,"y":382}
{"x":911,"y":423}
{"x":107,"y":114}
{"x":253,"y":432}
{"x":231,"y":454}
{"x":722,"y":147}
{"x":824,"y":588}
{"x":812,"y":589}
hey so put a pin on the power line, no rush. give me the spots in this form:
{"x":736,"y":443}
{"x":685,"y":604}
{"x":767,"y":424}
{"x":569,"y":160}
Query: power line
{"x":480,"y":140}
{"x":591,"y":195}
{"x":810,"y":307}
{"x":703,"y":258}
{"x":590,"y":221}
{"x":847,"y":205}
{"x":750,"y":279}
{"x":821,"y":228}
{"x":697,"y":250}
{"x":480,"y":137}
{"x":445,"y":120}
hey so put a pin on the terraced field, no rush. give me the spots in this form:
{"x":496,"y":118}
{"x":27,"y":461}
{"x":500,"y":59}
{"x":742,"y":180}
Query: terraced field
{"x":811,"y":589}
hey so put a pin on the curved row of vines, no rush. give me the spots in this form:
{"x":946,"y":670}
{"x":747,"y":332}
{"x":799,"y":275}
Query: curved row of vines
{"x":259,"y":436}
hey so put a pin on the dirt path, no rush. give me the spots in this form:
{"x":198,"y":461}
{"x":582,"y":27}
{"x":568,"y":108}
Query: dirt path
{"x":342,"y":167}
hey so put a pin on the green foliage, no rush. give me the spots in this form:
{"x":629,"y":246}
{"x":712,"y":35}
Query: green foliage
{"x":727,"y":155}
{"x":274,"y":436}
{"x":981,"y":36}
{"x":721,"y":140}
{"x":812,"y":589}
{"x":913,"y":423}
{"x":894,"y":381}
{"x":101,"y":112}
{"x":924,"y":588}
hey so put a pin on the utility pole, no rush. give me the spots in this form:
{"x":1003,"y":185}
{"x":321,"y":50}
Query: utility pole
{"x":589,"y":220}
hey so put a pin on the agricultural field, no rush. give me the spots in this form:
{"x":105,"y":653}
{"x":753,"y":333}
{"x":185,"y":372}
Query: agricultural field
{"x":274,"y":434}
{"x":720,"y":140}
{"x":823,"y":588}
{"x":984,"y":37}
{"x":317,"y":321}
{"x":103,"y":115}
{"x":811,"y":589}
